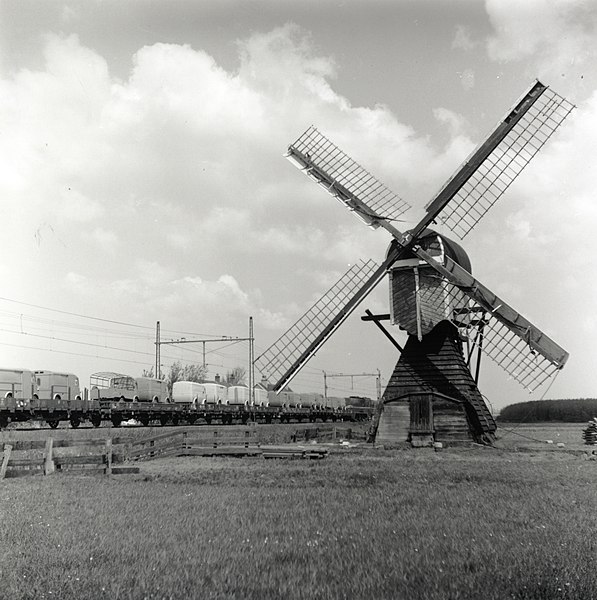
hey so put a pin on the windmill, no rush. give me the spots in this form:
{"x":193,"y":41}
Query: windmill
{"x":449,"y":315}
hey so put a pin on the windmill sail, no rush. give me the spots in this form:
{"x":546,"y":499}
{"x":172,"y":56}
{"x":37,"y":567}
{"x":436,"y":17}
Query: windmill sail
{"x":345,"y":179}
{"x":510,"y":340}
{"x":495,"y":164}
{"x":283,"y":359}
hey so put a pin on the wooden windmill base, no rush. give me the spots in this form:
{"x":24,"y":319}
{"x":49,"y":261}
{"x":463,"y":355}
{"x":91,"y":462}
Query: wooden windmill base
{"x":432,"y":396}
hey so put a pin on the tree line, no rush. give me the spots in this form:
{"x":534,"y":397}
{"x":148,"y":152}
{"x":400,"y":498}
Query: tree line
{"x":570,"y":410}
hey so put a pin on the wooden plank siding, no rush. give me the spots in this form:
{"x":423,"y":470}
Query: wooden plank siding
{"x":394,"y":424}
{"x":435,"y":368}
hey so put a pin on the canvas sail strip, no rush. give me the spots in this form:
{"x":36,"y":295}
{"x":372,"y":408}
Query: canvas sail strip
{"x":502,"y":345}
{"x":507,"y":160}
{"x":345,"y":179}
{"x":510,"y":340}
{"x":283,"y":359}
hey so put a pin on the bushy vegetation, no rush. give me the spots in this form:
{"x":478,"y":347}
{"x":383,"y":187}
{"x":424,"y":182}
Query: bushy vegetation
{"x":572,"y":410}
{"x":468,"y":524}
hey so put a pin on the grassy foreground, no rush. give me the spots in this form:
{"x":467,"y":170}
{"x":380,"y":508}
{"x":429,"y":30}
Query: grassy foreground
{"x":478,"y":523}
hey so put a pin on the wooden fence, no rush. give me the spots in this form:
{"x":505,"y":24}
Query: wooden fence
{"x":107,"y":454}
{"x":215,"y":442}
{"x":101,"y":461}
{"x":328,"y":433}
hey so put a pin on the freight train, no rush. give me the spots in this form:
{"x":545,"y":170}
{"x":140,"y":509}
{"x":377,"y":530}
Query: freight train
{"x":49,"y":396}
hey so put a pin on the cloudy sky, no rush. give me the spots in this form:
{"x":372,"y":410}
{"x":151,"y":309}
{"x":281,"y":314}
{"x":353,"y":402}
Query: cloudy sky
{"x":142,"y":176}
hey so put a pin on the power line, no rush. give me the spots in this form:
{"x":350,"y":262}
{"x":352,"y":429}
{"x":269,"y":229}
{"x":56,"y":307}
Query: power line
{"x":112,"y":321}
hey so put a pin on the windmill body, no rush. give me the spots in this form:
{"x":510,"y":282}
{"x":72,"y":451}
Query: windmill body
{"x":447,"y":313}
{"x":419,"y":298}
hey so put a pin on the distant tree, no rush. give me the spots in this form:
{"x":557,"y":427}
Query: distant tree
{"x":178,"y":372}
{"x":148,"y":372}
{"x":194,"y":373}
{"x":236,"y":376}
{"x":571,"y":410}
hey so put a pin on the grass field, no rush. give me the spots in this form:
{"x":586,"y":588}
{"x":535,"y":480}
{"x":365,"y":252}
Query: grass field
{"x":516,"y":521}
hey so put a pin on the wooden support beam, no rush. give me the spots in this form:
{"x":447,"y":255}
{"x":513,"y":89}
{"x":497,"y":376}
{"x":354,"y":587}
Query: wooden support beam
{"x":49,"y":466}
{"x":5,"y":459}
{"x":109,"y":456}
{"x":372,"y":317}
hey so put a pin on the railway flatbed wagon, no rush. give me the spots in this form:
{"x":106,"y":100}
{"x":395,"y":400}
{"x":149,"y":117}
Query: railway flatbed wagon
{"x":78,"y":410}
{"x":50,"y":410}
{"x":357,"y":413}
{"x":144,"y":412}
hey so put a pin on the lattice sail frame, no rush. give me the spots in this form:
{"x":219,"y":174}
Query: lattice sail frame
{"x":273,"y":363}
{"x":531,"y":122}
{"x":345,"y":179}
{"x":498,"y":342}
{"x":493,"y":177}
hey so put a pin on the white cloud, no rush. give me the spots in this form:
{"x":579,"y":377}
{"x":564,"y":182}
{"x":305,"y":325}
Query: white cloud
{"x":557,"y":38}
{"x":164,"y":196}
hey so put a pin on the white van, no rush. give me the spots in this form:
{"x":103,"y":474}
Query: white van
{"x":188,"y":392}
{"x":151,"y":390}
{"x":50,"y":385}
{"x":215,"y":393}
{"x":18,"y":384}
{"x":238,"y":395}
{"x":261,"y":398}
{"x":312,"y":400}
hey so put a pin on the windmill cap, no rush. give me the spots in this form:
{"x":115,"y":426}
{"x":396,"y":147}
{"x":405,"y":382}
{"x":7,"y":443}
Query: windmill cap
{"x":451,"y":249}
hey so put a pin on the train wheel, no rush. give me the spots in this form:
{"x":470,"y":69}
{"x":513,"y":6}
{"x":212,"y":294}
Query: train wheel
{"x":75,"y":422}
{"x":96,"y":420}
{"x":144,"y":420}
{"x":208,"y":419}
{"x":3,"y":421}
{"x":53,"y":423}
{"x":175,"y":420}
{"x":116,"y":421}
{"x":163,"y":421}
{"x":191,"y":420}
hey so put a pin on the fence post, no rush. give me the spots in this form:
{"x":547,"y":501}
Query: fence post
{"x":109,"y":456}
{"x":48,"y":456}
{"x":5,"y":459}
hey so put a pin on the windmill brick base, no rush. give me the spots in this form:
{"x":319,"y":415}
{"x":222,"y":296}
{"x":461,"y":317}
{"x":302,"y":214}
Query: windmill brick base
{"x":432,"y":395}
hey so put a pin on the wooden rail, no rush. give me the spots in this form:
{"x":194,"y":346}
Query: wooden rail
{"x":50,"y":462}
{"x":197,"y":442}
{"x":328,"y":433}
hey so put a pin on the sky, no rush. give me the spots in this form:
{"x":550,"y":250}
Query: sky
{"x":142,"y":176}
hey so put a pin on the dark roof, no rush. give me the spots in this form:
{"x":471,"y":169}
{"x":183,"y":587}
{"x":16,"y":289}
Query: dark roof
{"x":454,"y":250}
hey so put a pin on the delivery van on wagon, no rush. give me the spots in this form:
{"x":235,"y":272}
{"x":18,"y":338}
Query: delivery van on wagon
{"x":51,"y":386}
{"x":151,"y":390}
{"x":17,"y":388}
